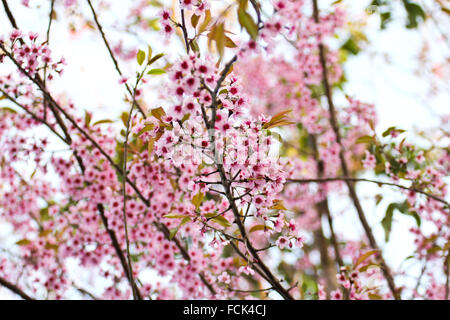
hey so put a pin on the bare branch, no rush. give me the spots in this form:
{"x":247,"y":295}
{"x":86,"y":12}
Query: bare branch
{"x":331,"y":179}
{"x":333,"y":121}
{"x":14,"y":289}
{"x":111,"y":54}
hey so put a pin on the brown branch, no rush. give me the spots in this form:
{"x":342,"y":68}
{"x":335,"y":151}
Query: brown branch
{"x":74,"y":123}
{"x":112,"y":234}
{"x":447,"y":275}
{"x":87,"y":136}
{"x":33,"y":115}
{"x":323,"y":208}
{"x":350,"y":185}
{"x":53,"y":103}
{"x":254,"y":266}
{"x":124,"y":192}
{"x":250,"y":291}
{"x":84,"y":292}
{"x":228,"y":193}
{"x":14,"y":289}
{"x":111,"y":54}
{"x":50,"y":20}
{"x":9,"y":14}
{"x":163,"y":228}
{"x":119,"y":251}
{"x":14,"y":25}
{"x":185,"y":34}
{"x":331,"y":179}
{"x":38,"y":79}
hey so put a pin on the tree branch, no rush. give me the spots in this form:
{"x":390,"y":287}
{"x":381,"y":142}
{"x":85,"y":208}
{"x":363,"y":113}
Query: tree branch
{"x":331,"y":179}
{"x":14,"y":289}
{"x":124,"y":193}
{"x":54,"y":104}
{"x":111,"y":54}
{"x":227,"y":187}
{"x":333,"y":121}
{"x":119,"y":252}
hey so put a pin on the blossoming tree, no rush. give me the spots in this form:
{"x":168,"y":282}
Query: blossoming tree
{"x":216,"y":181}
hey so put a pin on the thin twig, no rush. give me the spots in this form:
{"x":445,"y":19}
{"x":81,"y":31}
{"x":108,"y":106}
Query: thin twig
{"x":54,"y":104}
{"x":185,"y":34}
{"x":333,"y":121}
{"x":124,"y":193}
{"x":228,"y":193}
{"x":84,"y":292}
{"x":111,"y":54}
{"x":250,"y":291}
{"x":14,"y":289}
{"x":323,"y":208}
{"x":331,"y":179}
{"x":9,"y":14}
{"x":44,"y":80}
{"x":447,"y":275}
{"x":33,"y":115}
{"x":119,"y":251}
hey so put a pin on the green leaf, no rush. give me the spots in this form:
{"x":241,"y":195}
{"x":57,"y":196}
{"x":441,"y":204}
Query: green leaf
{"x":246,"y":21}
{"x":387,"y":221}
{"x":351,"y":46}
{"x":156,"y":71}
{"x":367,"y":266}
{"x":155,"y":3}
{"x":124,"y":118}
{"x":87,"y":118}
{"x":135,"y":257}
{"x":174,"y":231}
{"x":102,"y":121}
{"x":229,"y":43}
{"x":278,"y":205}
{"x":150,"y":146}
{"x":45,"y":233}
{"x":149,"y":52}
{"x":44,"y":216}
{"x":403,"y":208}
{"x":147,"y":127}
{"x":140,"y":57}
{"x":194,"y":20}
{"x":219,"y":36}
{"x":194,"y":46}
{"x":155,"y":58}
{"x":390,"y":129}
{"x":154,"y":24}
{"x":259,"y":227}
{"x":158,"y":113}
{"x":316,"y":91}
{"x":185,"y":117}
{"x":363,"y":257}
{"x":415,"y":13}
{"x":197,"y":199}
{"x":222,"y":221}
{"x":7,"y":109}
{"x":309,"y":287}
{"x":374,"y":296}
{"x":175,"y":216}
{"x":23,"y":242}
{"x":205,"y":22}
{"x":415,"y":215}
{"x":385,"y":19}
{"x":365,"y":139}
{"x":384,"y":9}
{"x":51,"y":246}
